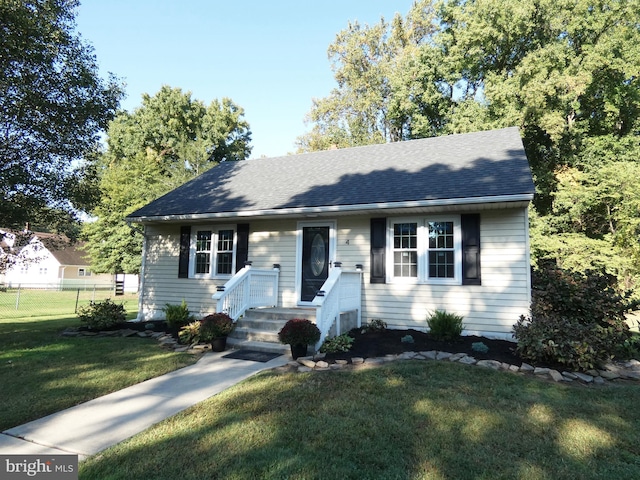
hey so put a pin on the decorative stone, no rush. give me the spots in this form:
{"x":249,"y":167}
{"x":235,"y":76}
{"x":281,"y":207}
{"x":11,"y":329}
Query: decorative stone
{"x":200,"y":347}
{"x":541,"y":371}
{"x":556,"y":375}
{"x":493,"y":364}
{"x":307,"y":362}
{"x":583,"y":377}
{"x":593,"y":373}
{"x":456,"y":357}
{"x":443,"y":356}
{"x":525,"y":367}
{"x":342,"y":362}
{"x":303,"y":369}
{"x":88,"y":334}
{"x":407,"y":355}
{"x":127,"y":332}
{"x":467,"y":360}
{"x":322,"y":364}
{"x":319,"y":356}
{"x":598,"y":380}
{"x":292,"y":363}
{"x":632,"y":374}
{"x":431,"y":355}
{"x":336,"y":366}
{"x":70,"y":334}
{"x":608,"y":375}
{"x":569,"y":375}
{"x":514,"y":368}
{"x":142,"y":334}
{"x":635,"y":364}
{"x":374,"y":361}
{"x":357,"y":360}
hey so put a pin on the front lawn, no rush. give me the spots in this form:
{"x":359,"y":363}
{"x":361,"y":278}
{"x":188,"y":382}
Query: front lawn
{"x":42,"y":372}
{"x":404,"y":420}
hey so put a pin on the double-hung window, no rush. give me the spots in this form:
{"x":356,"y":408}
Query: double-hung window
{"x":212,"y":252}
{"x":425,"y":250}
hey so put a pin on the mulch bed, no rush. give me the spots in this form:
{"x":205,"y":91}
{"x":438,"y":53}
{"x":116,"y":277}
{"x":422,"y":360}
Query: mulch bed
{"x":379,"y":344}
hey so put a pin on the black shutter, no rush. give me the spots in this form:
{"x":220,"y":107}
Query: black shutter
{"x":242,"y":245}
{"x":183,"y":259}
{"x":471,"y":249}
{"x":378,"y":247}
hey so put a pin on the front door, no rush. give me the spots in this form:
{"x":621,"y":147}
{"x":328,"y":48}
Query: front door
{"x":315,"y":260}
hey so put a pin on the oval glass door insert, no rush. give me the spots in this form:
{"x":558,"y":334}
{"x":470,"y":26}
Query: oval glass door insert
{"x":317,"y":258}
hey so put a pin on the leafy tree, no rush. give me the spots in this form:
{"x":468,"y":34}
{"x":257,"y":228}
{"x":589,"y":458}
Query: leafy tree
{"x":53,"y":105}
{"x":567,"y":72}
{"x":168,"y":140}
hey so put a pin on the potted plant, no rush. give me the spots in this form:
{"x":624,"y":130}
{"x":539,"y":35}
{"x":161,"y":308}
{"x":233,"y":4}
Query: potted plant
{"x":299,"y":333}
{"x":214,"y":329}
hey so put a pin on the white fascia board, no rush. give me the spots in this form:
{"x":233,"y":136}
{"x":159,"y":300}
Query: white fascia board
{"x":334,"y":209}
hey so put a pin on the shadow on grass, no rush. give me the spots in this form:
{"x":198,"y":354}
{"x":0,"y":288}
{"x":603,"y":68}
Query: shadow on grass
{"x":404,"y":420}
{"x":42,"y":372}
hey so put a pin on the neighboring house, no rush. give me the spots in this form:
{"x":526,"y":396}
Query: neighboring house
{"x":53,"y":262}
{"x":438,"y":223}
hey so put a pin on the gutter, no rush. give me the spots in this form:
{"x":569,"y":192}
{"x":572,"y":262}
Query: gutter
{"x":333,"y":209}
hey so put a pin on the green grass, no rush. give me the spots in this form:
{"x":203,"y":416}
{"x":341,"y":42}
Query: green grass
{"x":405,"y":420}
{"x":42,"y":372}
{"x":46,"y":303}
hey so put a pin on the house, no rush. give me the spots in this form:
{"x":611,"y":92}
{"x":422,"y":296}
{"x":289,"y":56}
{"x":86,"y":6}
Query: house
{"x":391,"y":231}
{"x":53,"y":262}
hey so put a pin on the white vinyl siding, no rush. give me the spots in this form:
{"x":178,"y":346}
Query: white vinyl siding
{"x":491,"y":308}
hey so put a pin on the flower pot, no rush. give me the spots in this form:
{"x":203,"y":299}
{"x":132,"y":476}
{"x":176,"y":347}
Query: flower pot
{"x":219,"y":344}
{"x":299,"y":350}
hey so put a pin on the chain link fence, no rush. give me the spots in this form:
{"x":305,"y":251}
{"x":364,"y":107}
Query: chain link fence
{"x":31,"y":301}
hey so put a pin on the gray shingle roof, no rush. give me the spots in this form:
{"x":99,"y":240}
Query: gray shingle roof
{"x":473,"y":165}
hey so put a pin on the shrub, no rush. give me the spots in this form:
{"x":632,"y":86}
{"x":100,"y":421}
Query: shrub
{"x":375,"y":325}
{"x":190,"y":333}
{"x":341,"y":343}
{"x":102,"y":315}
{"x":479,"y":347}
{"x":407,"y":339}
{"x":299,"y":331}
{"x":177,"y":316}
{"x":445,"y":326}
{"x":215,"y":325}
{"x":577,"y":320}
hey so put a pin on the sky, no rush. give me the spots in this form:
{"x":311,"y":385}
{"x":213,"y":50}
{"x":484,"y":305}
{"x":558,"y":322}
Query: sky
{"x":268,"y":57}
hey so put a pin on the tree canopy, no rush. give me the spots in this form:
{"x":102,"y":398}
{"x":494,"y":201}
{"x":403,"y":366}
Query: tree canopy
{"x":567,"y":72}
{"x":168,"y":140}
{"x":53,"y":105}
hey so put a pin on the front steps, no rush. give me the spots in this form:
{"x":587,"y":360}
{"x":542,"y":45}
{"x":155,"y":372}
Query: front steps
{"x":258,"y":328}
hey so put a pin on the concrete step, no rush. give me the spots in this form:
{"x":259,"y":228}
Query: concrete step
{"x":258,"y":346}
{"x":267,"y":325}
{"x":280,"y":314}
{"x":254,"y":334}
{"x":258,"y":328}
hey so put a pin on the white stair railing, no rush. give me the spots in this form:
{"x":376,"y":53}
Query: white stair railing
{"x":249,"y":288}
{"x":341,"y":292}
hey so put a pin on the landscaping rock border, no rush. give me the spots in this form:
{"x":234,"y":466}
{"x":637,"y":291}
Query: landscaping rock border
{"x":165,"y":340}
{"x":611,"y":372}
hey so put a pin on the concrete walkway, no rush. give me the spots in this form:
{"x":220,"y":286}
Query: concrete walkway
{"x":88,"y":428}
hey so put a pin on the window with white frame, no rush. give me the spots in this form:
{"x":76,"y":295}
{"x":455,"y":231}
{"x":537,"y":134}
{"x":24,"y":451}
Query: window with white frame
{"x":83,"y":272}
{"x":426,"y":250}
{"x":212,"y":252}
